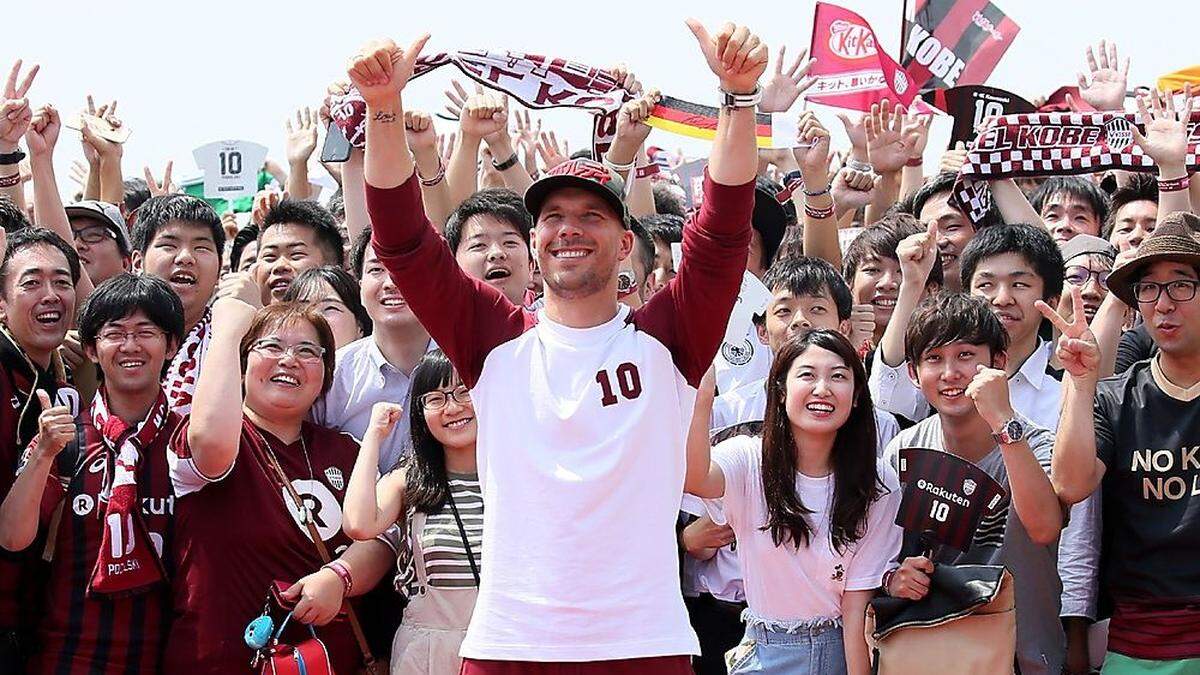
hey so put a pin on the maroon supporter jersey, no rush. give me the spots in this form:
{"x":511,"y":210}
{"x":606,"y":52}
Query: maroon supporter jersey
{"x":234,"y":537}
{"x":94,"y":635}
{"x":945,"y":496}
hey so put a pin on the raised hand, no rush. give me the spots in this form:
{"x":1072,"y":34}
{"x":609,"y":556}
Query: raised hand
{"x":852,"y":190}
{"x":381,"y":69}
{"x":525,"y":129}
{"x":301,"y":137}
{"x":632,"y":129}
{"x":264,"y":201}
{"x":42,"y":134}
{"x":15,"y":113}
{"x":953,"y":159}
{"x":159,"y":189}
{"x":862,"y":325}
{"x":813,"y":155}
{"x":857,"y":133}
{"x":336,"y":88}
{"x":484,"y":113}
{"x":735,"y":55}
{"x":989,"y":390}
{"x":1165,"y":139}
{"x":384,"y":417}
{"x":56,"y":427}
{"x":1104,"y":86}
{"x":887,"y":146}
{"x":238,"y":297}
{"x":550,"y":151}
{"x":422,"y":137}
{"x":1077,"y":348}
{"x":917,"y":254}
{"x":445,"y":146}
{"x":782,"y":90}
{"x":916,"y":129}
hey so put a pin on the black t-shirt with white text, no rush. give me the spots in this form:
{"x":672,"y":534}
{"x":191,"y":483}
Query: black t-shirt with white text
{"x":1148,"y":436}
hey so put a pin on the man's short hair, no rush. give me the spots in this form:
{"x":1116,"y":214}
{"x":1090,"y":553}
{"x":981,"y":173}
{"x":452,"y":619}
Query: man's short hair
{"x":881,"y":241}
{"x":38,"y":236}
{"x":1032,"y":243}
{"x":136,"y":193}
{"x":1141,"y":187}
{"x":12,"y":218}
{"x":647,"y":244}
{"x":313,"y":216}
{"x":946,"y":318}
{"x":154,"y":215}
{"x":500,"y":203}
{"x":241,"y":240}
{"x":358,"y":252}
{"x":667,"y":200}
{"x":805,"y":275}
{"x":943,"y":183}
{"x":122,"y":295}
{"x":1072,"y":186}
{"x":666,"y":227}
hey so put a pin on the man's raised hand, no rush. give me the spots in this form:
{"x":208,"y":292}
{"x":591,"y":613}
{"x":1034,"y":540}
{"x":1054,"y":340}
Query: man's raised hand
{"x":1077,"y":348}
{"x":380,"y":70}
{"x":735,"y":55}
{"x":917,"y":254}
{"x":1105,"y":90}
{"x":165,"y":187}
{"x":43,"y":130}
{"x":1166,"y":137}
{"x":484,"y":113}
{"x":301,"y":137}
{"x":422,"y":137}
{"x":15,"y":113}
{"x":632,"y":129}
{"x":781,"y":91}
{"x":888,"y":148}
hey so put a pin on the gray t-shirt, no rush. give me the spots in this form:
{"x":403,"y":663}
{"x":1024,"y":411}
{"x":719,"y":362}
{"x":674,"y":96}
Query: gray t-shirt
{"x":1041,"y":643}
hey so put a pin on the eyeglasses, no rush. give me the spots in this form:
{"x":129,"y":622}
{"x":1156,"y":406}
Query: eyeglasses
{"x":1078,"y":275}
{"x":436,"y":400}
{"x":1180,"y":290}
{"x":93,"y":234}
{"x":304,"y":352}
{"x":118,"y":337}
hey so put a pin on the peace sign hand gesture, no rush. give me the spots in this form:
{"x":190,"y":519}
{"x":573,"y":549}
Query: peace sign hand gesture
{"x":1077,"y":348}
{"x":15,"y":113}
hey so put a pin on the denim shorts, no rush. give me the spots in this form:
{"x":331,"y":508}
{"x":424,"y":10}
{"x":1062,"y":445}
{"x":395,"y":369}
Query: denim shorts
{"x":810,"y":648}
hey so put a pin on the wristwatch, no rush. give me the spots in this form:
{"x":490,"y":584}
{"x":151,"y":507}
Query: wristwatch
{"x":732,"y":100}
{"x":1012,"y":431}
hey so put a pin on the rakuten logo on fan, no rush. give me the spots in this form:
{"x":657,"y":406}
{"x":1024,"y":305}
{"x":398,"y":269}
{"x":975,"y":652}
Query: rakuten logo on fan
{"x":851,"y":40}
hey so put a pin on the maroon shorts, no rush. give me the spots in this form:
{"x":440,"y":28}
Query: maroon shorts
{"x":658,"y":665}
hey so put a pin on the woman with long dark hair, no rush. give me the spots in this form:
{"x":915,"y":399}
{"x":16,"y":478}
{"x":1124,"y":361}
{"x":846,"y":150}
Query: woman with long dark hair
{"x":812,"y":509}
{"x":434,"y":497}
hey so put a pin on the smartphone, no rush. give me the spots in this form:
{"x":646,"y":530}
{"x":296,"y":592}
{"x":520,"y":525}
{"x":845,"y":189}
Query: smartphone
{"x":337,"y":146}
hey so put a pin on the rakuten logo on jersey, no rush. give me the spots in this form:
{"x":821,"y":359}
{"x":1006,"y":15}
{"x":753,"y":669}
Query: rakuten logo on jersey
{"x":851,"y":40}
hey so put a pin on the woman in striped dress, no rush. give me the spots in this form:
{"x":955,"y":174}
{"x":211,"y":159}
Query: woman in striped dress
{"x":430,"y":510}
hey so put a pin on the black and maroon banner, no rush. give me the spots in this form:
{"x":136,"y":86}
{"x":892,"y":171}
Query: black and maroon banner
{"x":970,"y":105}
{"x":945,"y":497}
{"x":955,"y":42}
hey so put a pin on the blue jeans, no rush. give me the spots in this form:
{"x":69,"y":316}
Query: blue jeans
{"x":813,"y":648}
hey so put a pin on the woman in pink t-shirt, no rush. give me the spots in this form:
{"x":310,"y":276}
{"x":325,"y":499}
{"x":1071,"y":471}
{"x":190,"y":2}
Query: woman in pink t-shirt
{"x":812,"y":508}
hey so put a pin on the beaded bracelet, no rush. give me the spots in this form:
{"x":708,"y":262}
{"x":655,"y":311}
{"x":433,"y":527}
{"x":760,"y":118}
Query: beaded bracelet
{"x":437,"y":178}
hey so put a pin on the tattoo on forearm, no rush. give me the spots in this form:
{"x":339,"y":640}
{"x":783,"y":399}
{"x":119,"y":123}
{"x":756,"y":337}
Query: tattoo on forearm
{"x":385,"y":117}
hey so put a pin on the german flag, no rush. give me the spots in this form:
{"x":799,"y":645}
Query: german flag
{"x":700,"y":121}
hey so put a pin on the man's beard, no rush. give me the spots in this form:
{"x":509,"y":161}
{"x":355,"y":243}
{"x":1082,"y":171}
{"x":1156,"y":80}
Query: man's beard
{"x":570,"y":286}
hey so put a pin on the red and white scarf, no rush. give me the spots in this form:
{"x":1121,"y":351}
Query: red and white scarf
{"x":127,"y":561}
{"x":1055,"y":144}
{"x":535,"y":81}
{"x":180,"y":382}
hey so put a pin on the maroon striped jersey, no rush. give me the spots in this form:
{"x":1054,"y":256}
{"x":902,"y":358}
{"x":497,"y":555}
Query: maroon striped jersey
{"x":84,"y":634}
{"x":945,"y":497}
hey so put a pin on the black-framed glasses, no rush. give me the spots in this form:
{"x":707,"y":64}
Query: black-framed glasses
{"x":1078,"y":275}
{"x":93,"y":234}
{"x":1180,"y":290}
{"x":274,"y":349}
{"x":436,"y":400}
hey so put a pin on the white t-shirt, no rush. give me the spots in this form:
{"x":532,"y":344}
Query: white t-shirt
{"x":786,"y":584}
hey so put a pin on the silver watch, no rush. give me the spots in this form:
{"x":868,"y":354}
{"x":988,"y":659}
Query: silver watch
{"x":1012,"y":431}
{"x":732,"y":100}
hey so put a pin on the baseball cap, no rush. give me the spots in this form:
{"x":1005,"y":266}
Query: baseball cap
{"x":106,"y":213}
{"x":1086,"y":244}
{"x":585,"y":174}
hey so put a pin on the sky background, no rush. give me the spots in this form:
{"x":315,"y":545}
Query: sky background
{"x":189,"y":74}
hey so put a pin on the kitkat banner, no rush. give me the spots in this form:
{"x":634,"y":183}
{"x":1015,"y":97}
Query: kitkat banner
{"x":950,"y":43}
{"x":851,"y":70}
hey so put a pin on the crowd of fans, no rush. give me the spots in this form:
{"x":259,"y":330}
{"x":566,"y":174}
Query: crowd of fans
{"x":480,"y":411}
